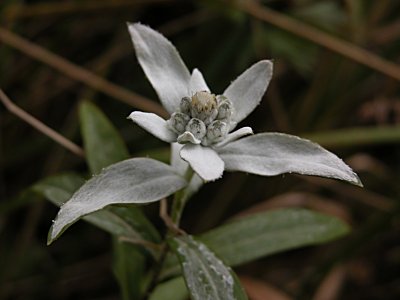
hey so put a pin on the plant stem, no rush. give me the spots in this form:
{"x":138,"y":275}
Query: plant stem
{"x":155,"y":272}
{"x":180,"y":198}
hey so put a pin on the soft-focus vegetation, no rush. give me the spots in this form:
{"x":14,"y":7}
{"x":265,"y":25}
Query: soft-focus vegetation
{"x":336,"y":82}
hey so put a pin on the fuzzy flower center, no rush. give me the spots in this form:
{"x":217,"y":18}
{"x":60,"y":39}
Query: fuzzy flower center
{"x":203,"y":118}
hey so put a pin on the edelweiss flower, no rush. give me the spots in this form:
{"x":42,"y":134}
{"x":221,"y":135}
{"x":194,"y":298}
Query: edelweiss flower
{"x":203,"y":122}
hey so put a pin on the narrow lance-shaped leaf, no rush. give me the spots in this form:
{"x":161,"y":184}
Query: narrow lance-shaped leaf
{"x":119,"y":221}
{"x":271,"y":154}
{"x":205,"y":275}
{"x":263,"y":234}
{"x":103,"y":144}
{"x":137,"y":180}
{"x":266,"y":233}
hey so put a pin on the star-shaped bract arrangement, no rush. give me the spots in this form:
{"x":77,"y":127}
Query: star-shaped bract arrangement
{"x":204,"y":123}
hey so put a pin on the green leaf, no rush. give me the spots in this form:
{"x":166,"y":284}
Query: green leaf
{"x":266,"y":233}
{"x":327,"y":15}
{"x":161,"y":154}
{"x":135,"y":218}
{"x":120,"y":221}
{"x":205,"y":275}
{"x":174,"y":289}
{"x":283,"y":45}
{"x":263,"y":234}
{"x":103,"y":145}
{"x":129,"y":265}
{"x":58,"y":189}
{"x":170,"y":267}
{"x":136,"y":180}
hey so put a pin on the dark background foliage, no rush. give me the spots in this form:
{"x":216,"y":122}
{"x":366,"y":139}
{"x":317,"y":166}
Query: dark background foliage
{"x":329,"y":97}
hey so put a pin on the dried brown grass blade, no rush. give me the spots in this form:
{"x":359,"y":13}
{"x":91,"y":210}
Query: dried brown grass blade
{"x":43,"y":128}
{"x":78,"y":73}
{"x":323,"y":39}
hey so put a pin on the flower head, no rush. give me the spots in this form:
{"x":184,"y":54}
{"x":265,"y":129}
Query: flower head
{"x":203,"y":123}
{"x":202,"y":119}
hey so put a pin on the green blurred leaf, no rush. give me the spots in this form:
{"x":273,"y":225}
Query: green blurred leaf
{"x":58,"y":189}
{"x":120,"y":221}
{"x":174,"y":289}
{"x":26,"y":197}
{"x":162,"y":154}
{"x":135,"y":218}
{"x":224,"y":9}
{"x":324,"y":14}
{"x":170,"y":267}
{"x":228,"y":47}
{"x":205,"y":275}
{"x":266,"y":233}
{"x":283,"y":45}
{"x":103,"y":144}
{"x":129,"y":265}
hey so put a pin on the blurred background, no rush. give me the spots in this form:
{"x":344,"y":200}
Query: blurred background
{"x":336,"y":82}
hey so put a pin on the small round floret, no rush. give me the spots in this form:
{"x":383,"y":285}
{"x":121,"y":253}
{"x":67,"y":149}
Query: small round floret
{"x":178,"y":122}
{"x":216,"y":131}
{"x":197,"y":128}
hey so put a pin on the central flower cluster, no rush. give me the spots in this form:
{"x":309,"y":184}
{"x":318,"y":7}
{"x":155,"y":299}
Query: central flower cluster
{"x":204,"y":118}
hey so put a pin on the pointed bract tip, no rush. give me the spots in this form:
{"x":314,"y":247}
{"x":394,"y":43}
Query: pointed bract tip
{"x":269,"y":64}
{"x":131,"y":116}
{"x":357,"y":181}
{"x":132,"y":24}
{"x":138,"y":26}
{"x":50,"y":240}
